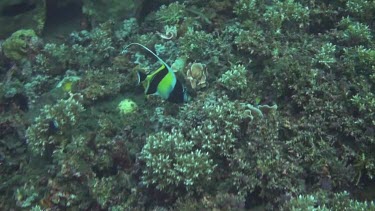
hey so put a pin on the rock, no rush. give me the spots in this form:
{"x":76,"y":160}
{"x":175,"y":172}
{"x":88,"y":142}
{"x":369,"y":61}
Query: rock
{"x":100,"y":11}
{"x":21,"y":14}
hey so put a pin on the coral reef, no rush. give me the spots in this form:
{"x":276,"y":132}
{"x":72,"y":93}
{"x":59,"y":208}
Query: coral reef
{"x":280,"y":117}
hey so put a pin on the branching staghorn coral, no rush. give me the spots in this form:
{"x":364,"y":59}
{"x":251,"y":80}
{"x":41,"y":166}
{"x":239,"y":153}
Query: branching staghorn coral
{"x":52,"y":128}
{"x":210,"y":133}
{"x":171,"y":162}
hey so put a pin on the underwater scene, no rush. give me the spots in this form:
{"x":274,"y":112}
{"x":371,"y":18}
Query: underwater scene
{"x":187,"y":105}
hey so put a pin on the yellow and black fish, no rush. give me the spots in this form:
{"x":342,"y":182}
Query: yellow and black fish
{"x":162,"y":82}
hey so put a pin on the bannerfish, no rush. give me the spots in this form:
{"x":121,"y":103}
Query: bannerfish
{"x":162,"y":82}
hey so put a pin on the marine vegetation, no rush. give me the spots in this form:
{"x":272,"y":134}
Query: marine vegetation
{"x":189,"y":105}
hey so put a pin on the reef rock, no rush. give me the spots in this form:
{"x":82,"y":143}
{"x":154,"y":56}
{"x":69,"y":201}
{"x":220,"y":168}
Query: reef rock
{"x":21,"y":14}
{"x":100,"y":11}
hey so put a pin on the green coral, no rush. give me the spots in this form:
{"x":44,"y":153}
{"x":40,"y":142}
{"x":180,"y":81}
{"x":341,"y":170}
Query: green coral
{"x":171,"y":14}
{"x":276,"y":15}
{"x":36,"y":208}
{"x":235,"y":78}
{"x":101,"y":191}
{"x":107,"y":189}
{"x":172,"y":161}
{"x":253,"y":40}
{"x":200,"y":45}
{"x":220,"y":133}
{"x":98,"y":169}
{"x":127,"y":28}
{"x":99,"y":41}
{"x":265,"y":24}
{"x":100,"y":83}
{"x":325,"y":201}
{"x":285,"y":14}
{"x":358,"y":60}
{"x":16,"y":46}
{"x":248,"y":8}
{"x":53,"y":59}
{"x":354,"y":32}
{"x":221,"y":201}
{"x":53,"y":126}
{"x":26,"y":195}
{"x":361,"y":8}
{"x":302,"y":202}
{"x":326,"y":55}
{"x":86,"y":49}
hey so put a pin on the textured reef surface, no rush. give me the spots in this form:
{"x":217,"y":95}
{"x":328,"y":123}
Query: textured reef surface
{"x":280,"y":112}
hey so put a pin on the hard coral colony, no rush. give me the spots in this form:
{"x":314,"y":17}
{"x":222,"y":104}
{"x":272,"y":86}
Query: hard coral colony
{"x":275,"y":105}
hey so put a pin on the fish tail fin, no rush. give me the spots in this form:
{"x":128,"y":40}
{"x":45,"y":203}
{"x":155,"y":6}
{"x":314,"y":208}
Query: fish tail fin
{"x":141,"y":77}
